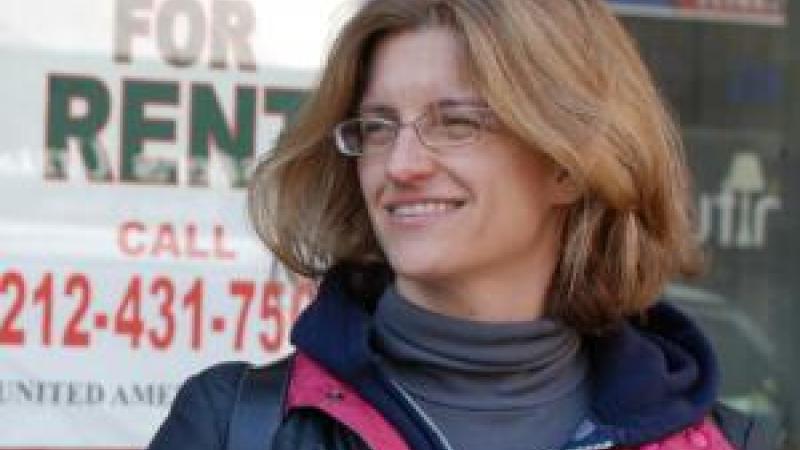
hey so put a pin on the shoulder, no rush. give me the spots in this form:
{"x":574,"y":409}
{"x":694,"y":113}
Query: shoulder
{"x":199,"y":414}
{"x":746,"y":431}
{"x":724,"y":429}
{"x":214,"y":389}
{"x":219,"y":379}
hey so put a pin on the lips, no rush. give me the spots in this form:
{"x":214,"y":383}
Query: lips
{"x":422,"y":208}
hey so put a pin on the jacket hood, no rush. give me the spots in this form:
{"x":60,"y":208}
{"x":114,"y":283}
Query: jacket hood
{"x":652,"y":376}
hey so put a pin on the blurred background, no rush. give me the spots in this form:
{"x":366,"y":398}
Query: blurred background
{"x":129,"y":127}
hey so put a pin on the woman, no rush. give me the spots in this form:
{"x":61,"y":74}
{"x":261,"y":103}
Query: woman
{"x":493,"y":196}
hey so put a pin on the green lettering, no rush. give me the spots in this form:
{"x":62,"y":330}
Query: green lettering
{"x":63,"y":123}
{"x":283,"y":101}
{"x":138,"y":128}
{"x":235,"y":142}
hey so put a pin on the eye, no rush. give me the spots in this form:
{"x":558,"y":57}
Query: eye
{"x":457,"y":125}
{"x":377,"y":132}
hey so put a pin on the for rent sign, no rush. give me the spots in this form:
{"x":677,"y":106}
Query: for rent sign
{"x":80,"y":106}
{"x":126,"y":260}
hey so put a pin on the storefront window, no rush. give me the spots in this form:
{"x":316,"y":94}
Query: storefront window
{"x":725,"y":67}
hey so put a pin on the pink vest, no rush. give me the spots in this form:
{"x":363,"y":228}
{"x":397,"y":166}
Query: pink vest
{"x":312,"y":386}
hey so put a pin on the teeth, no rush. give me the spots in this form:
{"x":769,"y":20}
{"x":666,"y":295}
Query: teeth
{"x":422,"y":208}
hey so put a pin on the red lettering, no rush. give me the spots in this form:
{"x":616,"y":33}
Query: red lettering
{"x":124,"y":238}
{"x":191,"y":243}
{"x":137,"y":239}
{"x":165,"y":241}
{"x":219,"y":244}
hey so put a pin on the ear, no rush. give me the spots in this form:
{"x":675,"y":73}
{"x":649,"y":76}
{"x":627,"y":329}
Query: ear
{"x":564,"y":189}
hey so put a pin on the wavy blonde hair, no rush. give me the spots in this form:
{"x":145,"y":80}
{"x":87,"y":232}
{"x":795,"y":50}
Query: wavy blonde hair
{"x":564,"y":77}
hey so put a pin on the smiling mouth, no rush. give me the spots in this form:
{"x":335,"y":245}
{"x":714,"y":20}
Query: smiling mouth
{"x":424,"y":208}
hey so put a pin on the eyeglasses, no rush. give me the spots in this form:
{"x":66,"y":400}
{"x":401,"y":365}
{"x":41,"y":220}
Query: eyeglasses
{"x":438,"y":127}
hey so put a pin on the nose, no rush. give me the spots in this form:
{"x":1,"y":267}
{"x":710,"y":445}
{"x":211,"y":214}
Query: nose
{"x":409,"y":160}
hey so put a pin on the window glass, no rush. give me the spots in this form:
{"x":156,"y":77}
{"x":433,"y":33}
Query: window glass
{"x":725,"y":69}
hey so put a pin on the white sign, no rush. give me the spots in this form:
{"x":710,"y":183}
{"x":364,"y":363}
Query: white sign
{"x":129,"y":128}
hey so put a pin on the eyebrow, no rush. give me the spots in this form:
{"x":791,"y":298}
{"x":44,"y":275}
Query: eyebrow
{"x":388,"y":110}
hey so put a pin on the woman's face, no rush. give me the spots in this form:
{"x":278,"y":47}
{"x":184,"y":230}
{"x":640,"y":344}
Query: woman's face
{"x":486,"y":210}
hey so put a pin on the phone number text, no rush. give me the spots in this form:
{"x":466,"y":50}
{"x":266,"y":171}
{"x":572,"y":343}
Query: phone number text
{"x":152,"y":311}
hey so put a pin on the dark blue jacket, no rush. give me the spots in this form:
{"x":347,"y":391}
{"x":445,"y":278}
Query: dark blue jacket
{"x":652,"y":377}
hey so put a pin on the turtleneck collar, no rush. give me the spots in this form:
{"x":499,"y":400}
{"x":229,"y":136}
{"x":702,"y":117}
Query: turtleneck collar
{"x":477,"y":365}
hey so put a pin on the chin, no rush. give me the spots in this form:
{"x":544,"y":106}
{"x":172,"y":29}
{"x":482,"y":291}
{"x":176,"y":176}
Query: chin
{"x":419,"y":267}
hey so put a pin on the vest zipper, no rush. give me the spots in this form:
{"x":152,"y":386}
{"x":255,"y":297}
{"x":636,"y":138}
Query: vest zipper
{"x":439,"y":435}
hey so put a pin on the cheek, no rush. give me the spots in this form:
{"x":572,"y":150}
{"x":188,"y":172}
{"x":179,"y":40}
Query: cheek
{"x":534,"y":177}
{"x":363,"y":177}
{"x":369,"y":180}
{"x":522,"y":194}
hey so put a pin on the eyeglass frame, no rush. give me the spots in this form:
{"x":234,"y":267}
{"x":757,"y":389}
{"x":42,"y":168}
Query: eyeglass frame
{"x":485,"y":121}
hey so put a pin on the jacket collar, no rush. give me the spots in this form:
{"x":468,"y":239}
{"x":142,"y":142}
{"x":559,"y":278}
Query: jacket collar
{"x":653,"y":376}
